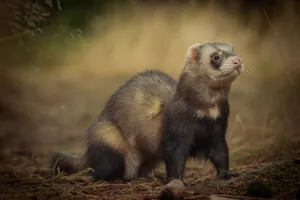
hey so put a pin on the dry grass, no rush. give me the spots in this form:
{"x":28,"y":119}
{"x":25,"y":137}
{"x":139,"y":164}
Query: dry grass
{"x":61,"y":103}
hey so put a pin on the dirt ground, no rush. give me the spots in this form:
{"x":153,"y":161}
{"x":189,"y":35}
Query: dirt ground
{"x":26,"y":177}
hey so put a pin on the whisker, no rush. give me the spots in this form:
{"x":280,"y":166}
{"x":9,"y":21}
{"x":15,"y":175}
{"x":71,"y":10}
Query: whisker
{"x":247,"y":67}
{"x":247,"y":71}
{"x":248,"y":98}
{"x":224,"y":72}
{"x":226,"y":68}
{"x":225,"y":65}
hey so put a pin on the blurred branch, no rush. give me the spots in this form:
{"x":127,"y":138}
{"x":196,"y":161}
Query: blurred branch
{"x":21,"y":34}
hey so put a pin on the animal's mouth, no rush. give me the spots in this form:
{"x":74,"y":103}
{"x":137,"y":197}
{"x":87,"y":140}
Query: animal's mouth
{"x":237,"y":69}
{"x":225,"y":75}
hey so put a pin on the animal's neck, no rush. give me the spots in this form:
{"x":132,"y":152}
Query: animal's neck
{"x":198,"y":95}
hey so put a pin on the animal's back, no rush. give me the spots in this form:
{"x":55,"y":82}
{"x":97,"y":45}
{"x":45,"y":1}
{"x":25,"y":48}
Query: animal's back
{"x":137,"y":106}
{"x":131,"y":120}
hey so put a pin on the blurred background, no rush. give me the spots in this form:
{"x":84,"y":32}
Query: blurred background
{"x":62,"y":59}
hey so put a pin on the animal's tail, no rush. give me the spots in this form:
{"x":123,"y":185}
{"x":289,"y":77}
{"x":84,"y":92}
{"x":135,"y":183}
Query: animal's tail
{"x":66,"y":162}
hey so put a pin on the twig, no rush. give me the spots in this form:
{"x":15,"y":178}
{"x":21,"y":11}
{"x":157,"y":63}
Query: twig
{"x":20,"y":34}
{"x":11,"y":181}
{"x":92,"y":196}
{"x":200,"y":179}
{"x":240,"y":197}
{"x":194,"y":197}
{"x":33,"y":157}
{"x":56,"y":167}
{"x":151,"y":197}
{"x":222,"y":183}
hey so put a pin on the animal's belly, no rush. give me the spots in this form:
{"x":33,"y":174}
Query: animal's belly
{"x":149,"y":136}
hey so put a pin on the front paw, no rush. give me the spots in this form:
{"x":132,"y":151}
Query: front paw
{"x":225,"y":174}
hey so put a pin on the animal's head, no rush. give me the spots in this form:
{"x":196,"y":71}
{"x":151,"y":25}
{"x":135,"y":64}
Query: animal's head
{"x":216,"y":63}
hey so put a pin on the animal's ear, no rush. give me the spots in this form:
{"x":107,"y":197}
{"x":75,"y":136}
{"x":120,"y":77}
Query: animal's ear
{"x":193,"y":54}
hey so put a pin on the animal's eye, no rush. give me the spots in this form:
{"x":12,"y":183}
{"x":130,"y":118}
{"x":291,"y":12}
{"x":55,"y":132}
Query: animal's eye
{"x":216,"y":57}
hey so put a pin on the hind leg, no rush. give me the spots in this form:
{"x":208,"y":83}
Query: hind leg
{"x":107,"y":164}
{"x":147,"y":168}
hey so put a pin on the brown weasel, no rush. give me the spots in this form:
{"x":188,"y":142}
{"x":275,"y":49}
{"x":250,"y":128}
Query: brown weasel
{"x":153,"y":118}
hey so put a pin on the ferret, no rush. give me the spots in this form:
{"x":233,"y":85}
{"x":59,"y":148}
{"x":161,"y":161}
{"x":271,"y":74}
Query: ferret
{"x":154,"y":118}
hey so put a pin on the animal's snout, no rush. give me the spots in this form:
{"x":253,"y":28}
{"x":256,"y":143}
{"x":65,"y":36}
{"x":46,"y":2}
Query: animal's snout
{"x":237,"y":61}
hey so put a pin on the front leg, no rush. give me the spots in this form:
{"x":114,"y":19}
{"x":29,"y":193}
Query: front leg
{"x":219,"y":156}
{"x":175,"y":152}
{"x":175,"y":148}
{"x":175,"y":163}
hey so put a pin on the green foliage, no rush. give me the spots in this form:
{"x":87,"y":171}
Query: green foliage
{"x":41,"y":30}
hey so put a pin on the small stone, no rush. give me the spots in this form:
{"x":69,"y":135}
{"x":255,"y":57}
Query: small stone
{"x":297,"y":162}
{"x":298,"y":194}
{"x":215,"y":197}
{"x":174,"y":190}
{"x":259,"y":190}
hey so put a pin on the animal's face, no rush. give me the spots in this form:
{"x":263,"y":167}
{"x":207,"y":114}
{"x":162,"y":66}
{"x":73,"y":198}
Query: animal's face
{"x":217,"y":61}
